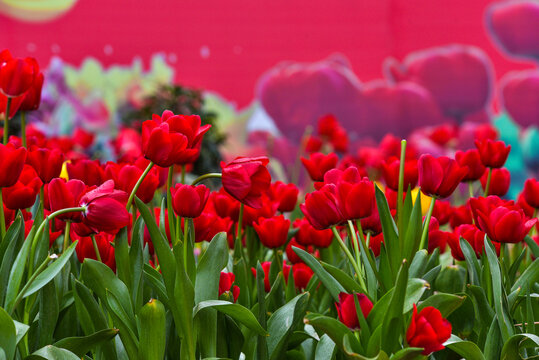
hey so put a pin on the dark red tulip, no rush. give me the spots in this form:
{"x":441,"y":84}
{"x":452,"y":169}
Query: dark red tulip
{"x":268,"y":210}
{"x":346,"y":309}
{"x":376,"y":243}
{"x":499,"y":182}
{"x":13,"y":107}
{"x":291,"y":254}
{"x":390,"y":171}
{"x":321,"y":208}
{"x":272,"y":232}
{"x":266,"y":265}
{"x":439,"y":177}
{"x":301,"y":273}
{"x":372,"y":223}
{"x":226,"y":281}
{"x":473,"y":236}
{"x":207,"y":225}
{"x":188,"y":200}
{"x":17,"y":75}
{"x":285,"y":195}
{"x":32,"y":97}
{"x":428,"y":330}
{"x":65,"y":194}
{"x":47,"y":163}
{"x":246,"y":179}
{"x":493,"y":153}
{"x":460,"y":215}
{"x":318,"y":164}
{"x":225,"y":205}
{"x":23,"y":194}
{"x":308,"y":235}
{"x":11,"y":164}
{"x":355,"y":200}
{"x":88,"y":171}
{"x":105,"y":208}
{"x":442,"y":211}
{"x":472,"y":160}
{"x":531,"y":192}
{"x":438,"y":239}
{"x":126,"y":176}
{"x":85,"y":249}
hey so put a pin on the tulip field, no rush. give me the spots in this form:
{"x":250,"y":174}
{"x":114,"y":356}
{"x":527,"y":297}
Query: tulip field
{"x":390,"y":252}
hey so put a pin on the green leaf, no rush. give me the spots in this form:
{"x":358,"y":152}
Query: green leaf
{"x":445,"y":303}
{"x":49,"y":310}
{"x":121,"y":255}
{"x":481,"y":305}
{"x":11,"y":247}
{"x":391,"y":238}
{"x":151,"y":324}
{"x":283,"y":322}
{"x":209,"y":269}
{"x":16,"y":273}
{"x":8,"y":334}
{"x":529,"y":276}
{"x":325,"y":349}
{"x":22,"y":329}
{"x":493,"y":341}
{"x":261,"y":346}
{"x":410,"y":353}
{"x":511,"y":348}
{"x":329,"y":326}
{"x":154,"y":278}
{"x":332,"y":285}
{"x":412,"y":236}
{"x":417,"y":267}
{"x":466,"y":349}
{"x":392,"y":325}
{"x":236,"y":311}
{"x":471,"y":260}
{"x":347,"y":282}
{"x":51,"y":271}
{"x":533,"y":246}
{"x":124,"y":323}
{"x":82,"y":344}
{"x":50,"y":352}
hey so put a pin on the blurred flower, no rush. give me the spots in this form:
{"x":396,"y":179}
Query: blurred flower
{"x":11,"y":164}
{"x":318,"y":164}
{"x":472,"y":160}
{"x":23,"y":194}
{"x":225,"y":285}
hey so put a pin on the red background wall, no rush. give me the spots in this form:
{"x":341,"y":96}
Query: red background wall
{"x":246,"y":38}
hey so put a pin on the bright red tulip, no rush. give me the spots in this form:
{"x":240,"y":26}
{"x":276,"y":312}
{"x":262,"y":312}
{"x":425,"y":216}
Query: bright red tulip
{"x":47,"y":163}
{"x":88,"y":171}
{"x":312,"y":144}
{"x":105,"y":208}
{"x":493,"y":153}
{"x":318,"y":164}
{"x":308,"y":235}
{"x":321,"y":208}
{"x":66,"y":194}
{"x":23,"y":194}
{"x":428,"y":330}
{"x":327,"y":126}
{"x":32,"y":97}
{"x":460,"y":215}
{"x":207,"y":225}
{"x":301,"y":273}
{"x":346,"y":309}
{"x":439,"y":177}
{"x":246,"y":179}
{"x":17,"y":75}
{"x":126,"y":176}
{"x":224,"y":204}
{"x":473,"y":236}
{"x":286,"y":195}
{"x":499,"y":181}
{"x":225,"y":285}
{"x":291,"y":254}
{"x":472,"y":160}
{"x":11,"y":164}
{"x":266,"y":265}
{"x":531,"y":192}
{"x":188,"y":200}
{"x":85,"y":249}
{"x":272,"y":232}
{"x":390,"y":171}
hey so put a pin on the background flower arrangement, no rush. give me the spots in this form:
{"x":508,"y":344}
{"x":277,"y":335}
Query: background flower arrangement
{"x":392,"y":253}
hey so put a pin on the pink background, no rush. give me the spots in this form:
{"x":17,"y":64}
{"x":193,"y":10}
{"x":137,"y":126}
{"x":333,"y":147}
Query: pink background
{"x":226,"y":46}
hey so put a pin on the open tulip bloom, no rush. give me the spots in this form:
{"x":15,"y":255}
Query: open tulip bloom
{"x":389,"y":252}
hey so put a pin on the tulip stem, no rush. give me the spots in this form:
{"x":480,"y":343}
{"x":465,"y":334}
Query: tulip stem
{"x":174,"y":233}
{"x":6,"y":120}
{"x":470,"y":188}
{"x":425,"y":235}
{"x":182,"y":180}
{"x":400,"y":189}
{"x":350,"y":257}
{"x":55,"y":214}
{"x":240,"y":223}
{"x":487,"y":186}
{"x":207,"y":176}
{"x":353,"y":238}
{"x":137,"y":185}
{"x":2,"y":217}
{"x":38,"y":271}
{"x":23,"y":128}
{"x":96,"y":248}
{"x":185,"y":239}
{"x":66,"y":236}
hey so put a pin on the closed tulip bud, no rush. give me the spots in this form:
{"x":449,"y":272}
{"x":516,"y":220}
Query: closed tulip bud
{"x":472,"y":160}
{"x":505,"y":225}
{"x":46,"y":162}
{"x":11,"y":164}
{"x":318,"y":164}
{"x":23,"y":194}
{"x":390,"y":171}
{"x":32,"y":97}
{"x":285,"y":195}
{"x":65,"y":194}
{"x":301,"y":273}
{"x":356,"y":200}
{"x":266,"y":268}
{"x":226,"y":281}
{"x":321,"y":208}
{"x":428,"y":330}
{"x":125,"y":177}
{"x":88,"y":171}
{"x":439,"y":177}
{"x":188,"y":200}
{"x":16,"y":76}
{"x":493,"y":153}
{"x":272,"y":232}
{"x":346,"y":309}
{"x":85,"y":249}
{"x":247,"y":179}
{"x":308,"y":235}
{"x":531,"y":192}
{"x":499,"y":182}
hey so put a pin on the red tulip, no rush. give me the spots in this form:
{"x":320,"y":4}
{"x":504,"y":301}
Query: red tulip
{"x":188,"y":200}
{"x":505,"y":225}
{"x":85,"y":249}
{"x":312,"y":144}
{"x":438,"y":239}
{"x":301,"y":273}
{"x":346,"y":309}
{"x":428,"y":330}
{"x":308,"y":235}
{"x":473,"y":236}
{"x":321,"y":208}
{"x":340,"y":140}
{"x":390,"y":171}
{"x":23,"y":194}
{"x":318,"y":164}
{"x":376,"y":243}
{"x":356,"y":200}
{"x":439,"y":177}
{"x":105,"y":208}
{"x":207,"y":225}
{"x":17,"y":75}
{"x":272,"y":232}
{"x":328,"y":125}
{"x":266,"y":265}
{"x":286,"y":196}
{"x":225,"y":205}
{"x":88,"y":171}
{"x":225,"y":285}
{"x":47,"y":163}
{"x":499,"y":182}
{"x":64,"y":195}
{"x":13,"y":107}
{"x":493,"y":153}
{"x":32,"y":97}
{"x":126,"y":176}
{"x":291,"y":254}
{"x":472,"y":160}
{"x":372,"y":223}
{"x":442,"y":211}
{"x":460,"y":215}
{"x":246,"y":179}
{"x":11,"y":164}
{"x":531,"y":192}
